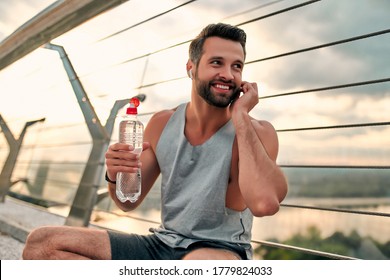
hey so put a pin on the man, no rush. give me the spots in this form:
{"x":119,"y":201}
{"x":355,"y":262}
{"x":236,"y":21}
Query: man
{"x":218,"y":169}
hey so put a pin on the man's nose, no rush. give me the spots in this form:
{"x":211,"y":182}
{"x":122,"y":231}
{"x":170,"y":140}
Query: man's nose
{"x":226,"y":73}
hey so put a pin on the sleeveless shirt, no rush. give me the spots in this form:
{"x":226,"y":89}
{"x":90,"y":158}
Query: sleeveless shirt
{"x":193,"y":188}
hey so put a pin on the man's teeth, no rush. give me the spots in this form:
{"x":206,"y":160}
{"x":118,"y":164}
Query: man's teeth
{"x":222,"y":86}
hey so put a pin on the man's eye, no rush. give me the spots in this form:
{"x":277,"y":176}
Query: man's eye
{"x":238,"y":66}
{"x":216,"y":62}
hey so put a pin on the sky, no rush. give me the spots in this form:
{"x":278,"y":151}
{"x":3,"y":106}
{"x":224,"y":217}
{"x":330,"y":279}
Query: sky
{"x":101,"y":64}
{"x":15,"y":13}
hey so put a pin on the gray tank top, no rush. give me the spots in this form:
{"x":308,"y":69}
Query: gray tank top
{"x":193,"y":188}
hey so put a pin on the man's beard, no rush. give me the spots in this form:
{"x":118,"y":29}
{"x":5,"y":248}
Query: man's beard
{"x":217,"y":100}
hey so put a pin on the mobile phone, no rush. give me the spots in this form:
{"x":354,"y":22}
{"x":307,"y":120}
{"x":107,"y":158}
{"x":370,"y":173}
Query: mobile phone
{"x":236,"y":95}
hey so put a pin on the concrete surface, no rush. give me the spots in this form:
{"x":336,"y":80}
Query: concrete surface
{"x":17,"y":219}
{"x":10,"y":248}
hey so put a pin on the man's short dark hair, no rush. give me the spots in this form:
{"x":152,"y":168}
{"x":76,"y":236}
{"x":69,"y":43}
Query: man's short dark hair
{"x":221,"y":30}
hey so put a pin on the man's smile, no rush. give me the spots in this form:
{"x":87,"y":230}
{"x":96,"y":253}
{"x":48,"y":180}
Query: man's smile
{"x":222,"y":87}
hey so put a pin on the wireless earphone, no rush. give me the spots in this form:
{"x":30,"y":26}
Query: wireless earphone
{"x":190,"y":73}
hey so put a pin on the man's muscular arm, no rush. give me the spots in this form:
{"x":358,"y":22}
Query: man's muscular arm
{"x":261,"y":181}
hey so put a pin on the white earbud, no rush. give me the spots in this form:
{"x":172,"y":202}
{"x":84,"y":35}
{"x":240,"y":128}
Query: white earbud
{"x":190,"y":73}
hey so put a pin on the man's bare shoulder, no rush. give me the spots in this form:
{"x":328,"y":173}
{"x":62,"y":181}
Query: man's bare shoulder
{"x":266,"y":125}
{"x":156,"y":125}
{"x":268,"y":136}
{"x":162,"y":117}
{"x":263,"y":125}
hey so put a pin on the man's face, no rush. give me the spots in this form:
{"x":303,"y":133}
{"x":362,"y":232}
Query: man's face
{"x":218,"y":76}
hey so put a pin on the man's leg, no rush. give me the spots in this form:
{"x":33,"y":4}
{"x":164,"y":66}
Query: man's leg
{"x":211,"y":254}
{"x":67,"y":243}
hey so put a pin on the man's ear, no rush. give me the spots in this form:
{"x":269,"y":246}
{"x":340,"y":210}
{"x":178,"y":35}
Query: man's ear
{"x":189,"y":69}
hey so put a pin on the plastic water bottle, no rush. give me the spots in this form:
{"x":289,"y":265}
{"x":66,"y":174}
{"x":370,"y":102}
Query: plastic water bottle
{"x":131,"y":131}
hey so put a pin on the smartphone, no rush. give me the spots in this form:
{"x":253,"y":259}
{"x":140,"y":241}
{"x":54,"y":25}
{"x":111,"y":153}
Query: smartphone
{"x":236,"y":95}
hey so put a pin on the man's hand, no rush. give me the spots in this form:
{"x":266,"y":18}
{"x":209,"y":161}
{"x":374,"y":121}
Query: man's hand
{"x":120,"y":158}
{"x":247,"y":101}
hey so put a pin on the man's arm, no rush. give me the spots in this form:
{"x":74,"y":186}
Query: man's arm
{"x":261,"y":181}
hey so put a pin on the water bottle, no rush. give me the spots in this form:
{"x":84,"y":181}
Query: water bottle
{"x":131,"y":131}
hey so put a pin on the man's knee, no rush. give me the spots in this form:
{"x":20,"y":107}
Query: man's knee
{"x":37,"y":243}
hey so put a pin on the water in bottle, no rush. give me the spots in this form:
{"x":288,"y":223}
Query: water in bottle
{"x":131,"y":130}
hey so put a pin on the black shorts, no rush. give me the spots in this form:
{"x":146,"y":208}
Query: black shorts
{"x":149,"y":247}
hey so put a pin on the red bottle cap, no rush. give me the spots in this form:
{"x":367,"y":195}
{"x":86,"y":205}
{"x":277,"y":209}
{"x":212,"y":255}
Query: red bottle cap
{"x":134,"y":103}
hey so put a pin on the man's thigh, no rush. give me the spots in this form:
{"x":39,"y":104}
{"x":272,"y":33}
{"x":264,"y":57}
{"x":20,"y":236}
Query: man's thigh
{"x":138,"y":247}
{"x":149,"y":247}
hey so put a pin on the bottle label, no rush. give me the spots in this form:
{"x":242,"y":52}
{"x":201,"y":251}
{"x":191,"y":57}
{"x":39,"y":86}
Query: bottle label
{"x":131,"y":132}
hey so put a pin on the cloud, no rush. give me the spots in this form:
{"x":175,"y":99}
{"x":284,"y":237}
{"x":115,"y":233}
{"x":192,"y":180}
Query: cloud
{"x":318,"y":24}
